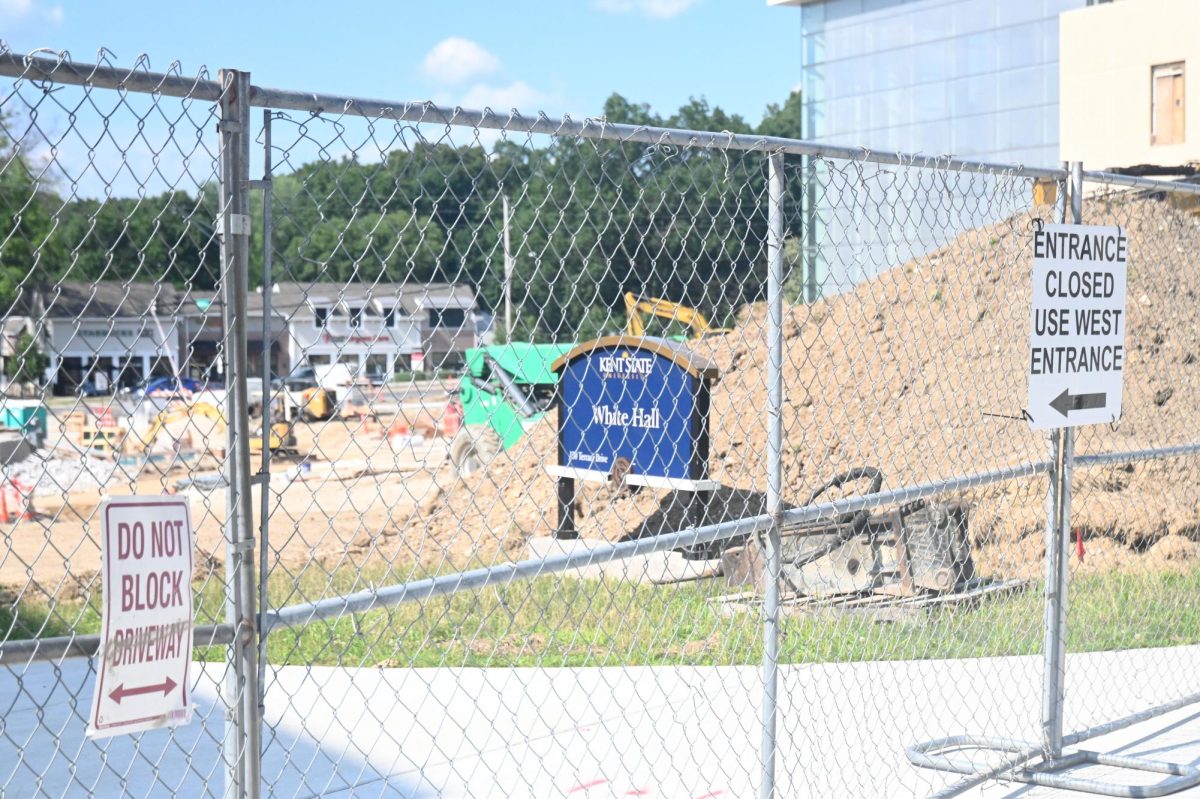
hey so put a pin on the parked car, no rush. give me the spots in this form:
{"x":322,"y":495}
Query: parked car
{"x":169,"y":385}
{"x":300,"y":378}
{"x":93,"y":389}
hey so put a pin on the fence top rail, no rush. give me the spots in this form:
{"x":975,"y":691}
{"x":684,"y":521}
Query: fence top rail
{"x":58,"y":68}
{"x":1135,"y":182}
{"x":601,"y":129}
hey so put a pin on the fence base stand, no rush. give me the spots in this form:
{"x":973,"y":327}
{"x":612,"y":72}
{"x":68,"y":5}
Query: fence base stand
{"x":939,"y":755}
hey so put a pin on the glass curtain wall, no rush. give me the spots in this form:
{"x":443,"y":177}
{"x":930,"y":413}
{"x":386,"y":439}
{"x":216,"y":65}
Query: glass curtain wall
{"x":971,"y":78}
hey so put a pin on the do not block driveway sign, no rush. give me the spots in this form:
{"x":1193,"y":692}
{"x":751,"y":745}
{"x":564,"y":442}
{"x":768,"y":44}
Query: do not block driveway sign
{"x":1077,"y":336}
{"x":146,"y":635}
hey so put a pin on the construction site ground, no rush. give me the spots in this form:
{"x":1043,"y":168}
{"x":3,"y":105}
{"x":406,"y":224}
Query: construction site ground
{"x":349,"y":488}
{"x":920,"y":371}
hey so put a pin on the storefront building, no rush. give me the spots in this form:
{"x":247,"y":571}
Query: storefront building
{"x":106,"y":335}
{"x":377,"y":330}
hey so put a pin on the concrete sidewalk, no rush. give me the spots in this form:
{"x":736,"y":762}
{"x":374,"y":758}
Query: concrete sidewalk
{"x":595,"y":732}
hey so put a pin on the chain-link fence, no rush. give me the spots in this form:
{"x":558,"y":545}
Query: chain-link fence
{"x":537,"y":457}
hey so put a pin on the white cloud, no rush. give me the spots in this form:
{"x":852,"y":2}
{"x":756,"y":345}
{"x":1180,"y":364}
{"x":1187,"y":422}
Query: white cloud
{"x":501,"y":98}
{"x":659,"y":9}
{"x":14,"y":11}
{"x":455,"y":60}
{"x":519,"y":95}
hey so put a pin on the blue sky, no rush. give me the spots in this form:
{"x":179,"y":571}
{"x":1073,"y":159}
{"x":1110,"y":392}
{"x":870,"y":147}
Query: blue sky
{"x":564,"y":56}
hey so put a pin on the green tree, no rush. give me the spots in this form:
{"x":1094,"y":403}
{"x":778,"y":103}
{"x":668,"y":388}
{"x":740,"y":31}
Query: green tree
{"x":26,"y":221}
{"x":371,"y":248}
{"x":167,"y":237}
{"x":28,"y":363}
{"x":785,"y":121}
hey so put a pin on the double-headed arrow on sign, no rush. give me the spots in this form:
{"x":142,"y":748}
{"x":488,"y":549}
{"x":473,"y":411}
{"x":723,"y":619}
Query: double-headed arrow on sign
{"x":120,"y":692}
{"x":1066,"y":402}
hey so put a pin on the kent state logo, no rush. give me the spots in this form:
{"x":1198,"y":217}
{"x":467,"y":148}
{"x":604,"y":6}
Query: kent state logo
{"x":626,"y":366}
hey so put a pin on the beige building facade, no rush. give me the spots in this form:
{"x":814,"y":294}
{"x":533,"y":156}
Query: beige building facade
{"x":1129,"y":84}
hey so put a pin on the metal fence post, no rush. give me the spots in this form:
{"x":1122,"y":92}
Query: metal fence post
{"x":1058,"y":527}
{"x":774,"y":469}
{"x":1055,"y":604}
{"x":264,"y":485}
{"x":242,"y":735}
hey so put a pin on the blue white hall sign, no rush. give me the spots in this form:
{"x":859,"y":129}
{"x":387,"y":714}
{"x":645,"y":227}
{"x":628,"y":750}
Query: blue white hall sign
{"x":1077,"y":335}
{"x":634,"y":409}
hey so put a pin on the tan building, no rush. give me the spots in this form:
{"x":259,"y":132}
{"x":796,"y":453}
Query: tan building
{"x":1126,"y":96}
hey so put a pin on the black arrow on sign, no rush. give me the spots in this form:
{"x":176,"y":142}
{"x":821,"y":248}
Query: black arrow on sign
{"x":1066,"y":402}
{"x":120,"y":692}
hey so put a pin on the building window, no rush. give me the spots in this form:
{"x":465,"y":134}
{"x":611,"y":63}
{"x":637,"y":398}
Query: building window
{"x":320,"y":313}
{"x":447,"y":317}
{"x":356,"y":316}
{"x":389,"y":316}
{"x":1166,"y":104}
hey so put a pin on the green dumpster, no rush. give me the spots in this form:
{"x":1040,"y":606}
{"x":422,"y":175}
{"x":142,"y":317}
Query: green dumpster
{"x":25,"y":415}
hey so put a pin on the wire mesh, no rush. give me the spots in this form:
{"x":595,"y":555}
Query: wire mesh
{"x":1134,"y":522}
{"x":114,"y":386}
{"x":442,"y":613}
{"x":381,"y":229}
{"x":908,"y":368}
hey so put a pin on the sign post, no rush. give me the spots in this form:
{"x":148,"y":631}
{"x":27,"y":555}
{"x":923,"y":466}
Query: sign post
{"x":142,"y":679}
{"x":1077,"y":331}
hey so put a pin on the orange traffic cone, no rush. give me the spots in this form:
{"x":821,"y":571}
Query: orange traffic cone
{"x":24,"y":499}
{"x":452,"y":419}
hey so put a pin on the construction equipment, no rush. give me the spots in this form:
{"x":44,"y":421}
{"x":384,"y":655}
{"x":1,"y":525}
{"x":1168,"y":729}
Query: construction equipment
{"x":635,"y":323}
{"x":309,"y":392}
{"x":181,"y":413}
{"x":505,"y":389}
{"x":282,"y":438}
{"x":918,"y":547}
{"x":317,"y":404}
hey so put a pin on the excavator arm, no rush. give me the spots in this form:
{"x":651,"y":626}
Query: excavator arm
{"x":172,"y":415}
{"x":635,"y":324}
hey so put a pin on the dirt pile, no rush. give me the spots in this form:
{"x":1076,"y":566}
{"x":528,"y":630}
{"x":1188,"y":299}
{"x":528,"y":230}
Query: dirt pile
{"x":920,"y":372}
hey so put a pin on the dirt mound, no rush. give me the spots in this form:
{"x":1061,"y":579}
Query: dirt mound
{"x":921,"y":372}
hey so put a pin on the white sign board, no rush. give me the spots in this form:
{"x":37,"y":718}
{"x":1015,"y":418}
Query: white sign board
{"x":142,"y":679}
{"x":1077,"y":332}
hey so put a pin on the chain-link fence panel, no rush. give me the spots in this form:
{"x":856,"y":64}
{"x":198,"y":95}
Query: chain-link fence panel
{"x":114,"y":360}
{"x":905,"y":368}
{"x":563,"y":458}
{"x":1118,"y":647}
{"x":1134,"y":510}
{"x":397,"y":249}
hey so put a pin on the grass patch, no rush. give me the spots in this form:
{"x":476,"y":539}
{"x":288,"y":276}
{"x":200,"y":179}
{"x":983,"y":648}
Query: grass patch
{"x":556,"y":621}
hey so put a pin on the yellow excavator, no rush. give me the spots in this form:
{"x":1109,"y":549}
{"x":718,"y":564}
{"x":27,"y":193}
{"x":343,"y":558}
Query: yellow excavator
{"x":283,"y":440}
{"x":636,"y":310}
{"x":179,"y":413}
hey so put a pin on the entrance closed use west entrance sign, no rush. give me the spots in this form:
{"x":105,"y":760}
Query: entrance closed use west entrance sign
{"x":1076,"y":360}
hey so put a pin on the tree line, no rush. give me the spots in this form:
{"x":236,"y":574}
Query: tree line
{"x":590,"y":221}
